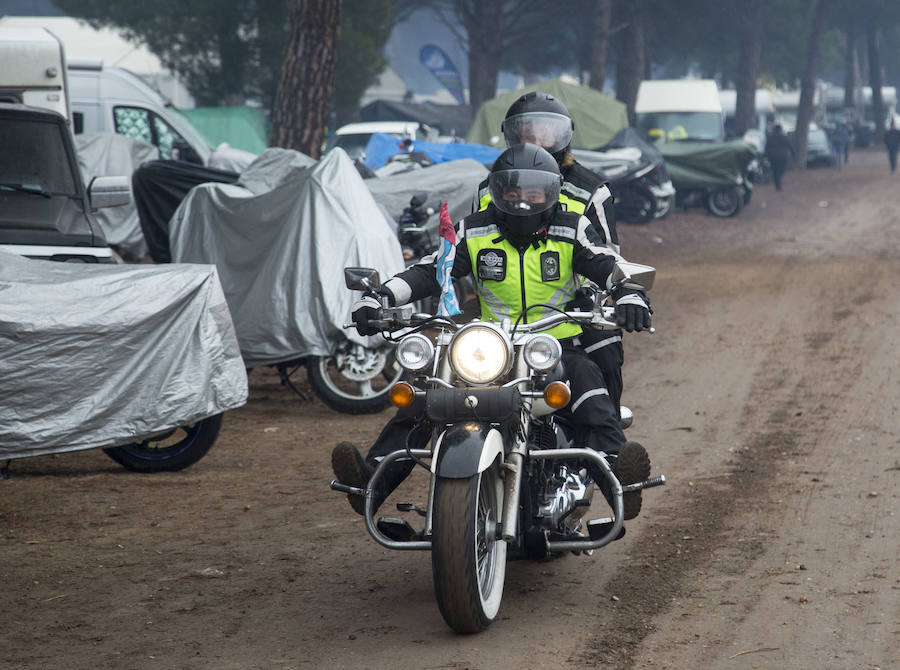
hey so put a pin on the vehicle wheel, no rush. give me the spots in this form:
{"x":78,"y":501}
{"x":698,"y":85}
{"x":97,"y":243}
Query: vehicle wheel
{"x":171,"y":451}
{"x":355,"y":379}
{"x":664,"y":206}
{"x":636,"y":204}
{"x":468,"y":558}
{"x":725,"y":202}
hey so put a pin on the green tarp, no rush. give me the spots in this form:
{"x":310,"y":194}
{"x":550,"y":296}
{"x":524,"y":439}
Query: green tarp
{"x":241,"y":127}
{"x":705,"y":164}
{"x":597,"y":115}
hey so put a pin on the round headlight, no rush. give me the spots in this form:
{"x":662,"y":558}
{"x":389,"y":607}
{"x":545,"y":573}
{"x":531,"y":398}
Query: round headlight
{"x":542,"y":353}
{"x":480,"y":353}
{"x":414,"y":352}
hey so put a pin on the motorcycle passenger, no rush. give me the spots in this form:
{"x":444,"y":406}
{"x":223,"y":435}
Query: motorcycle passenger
{"x":539,"y":118}
{"x":523,"y":249}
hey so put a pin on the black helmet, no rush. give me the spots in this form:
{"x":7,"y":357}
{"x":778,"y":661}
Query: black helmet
{"x":524,"y":185}
{"x":541,"y":119}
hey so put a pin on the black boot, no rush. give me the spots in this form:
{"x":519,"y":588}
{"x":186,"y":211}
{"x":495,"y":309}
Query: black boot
{"x":350,"y":468}
{"x":632,"y":466}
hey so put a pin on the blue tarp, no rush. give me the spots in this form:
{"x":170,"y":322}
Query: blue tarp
{"x":382,"y":146}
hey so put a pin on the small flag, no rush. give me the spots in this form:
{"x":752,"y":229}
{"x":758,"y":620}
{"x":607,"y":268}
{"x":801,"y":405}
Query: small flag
{"x":448,"y":305}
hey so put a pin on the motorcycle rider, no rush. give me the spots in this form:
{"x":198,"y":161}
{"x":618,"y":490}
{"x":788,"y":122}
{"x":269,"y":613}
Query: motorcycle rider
{"x":540,"y":118}
{"x":523,"y":243}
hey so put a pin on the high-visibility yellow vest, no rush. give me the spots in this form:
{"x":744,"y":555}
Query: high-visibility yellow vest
{"x":507,"y":280}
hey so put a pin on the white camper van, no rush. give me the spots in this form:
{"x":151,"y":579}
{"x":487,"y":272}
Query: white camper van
{"x":34,"y":69}
{"x":679,"y":109}
{"x":109,"y":99}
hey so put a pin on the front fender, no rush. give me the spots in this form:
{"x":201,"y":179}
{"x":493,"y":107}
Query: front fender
{"x":465,"y":449}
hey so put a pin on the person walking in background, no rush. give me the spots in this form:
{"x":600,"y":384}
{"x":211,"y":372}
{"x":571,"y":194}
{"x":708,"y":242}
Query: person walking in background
{"x":892,"y":142}
{"x":779,"y":152}
{"x":840,"y":139}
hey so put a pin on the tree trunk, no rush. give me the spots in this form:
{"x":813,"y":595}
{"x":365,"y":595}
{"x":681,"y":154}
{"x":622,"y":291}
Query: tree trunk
{"x":600,"y":42}
{"x":630,"y":58}
{"x":808,"y":85}
{"x":307,"y":76}
{"x":851,"y":68}
{"x":481,"y":20}
{"x":748,"y":65}
{"x":875,"y":80}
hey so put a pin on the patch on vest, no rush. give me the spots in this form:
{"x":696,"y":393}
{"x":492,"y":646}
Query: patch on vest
{"x":491,"y":264}
{"x":550,"y":266}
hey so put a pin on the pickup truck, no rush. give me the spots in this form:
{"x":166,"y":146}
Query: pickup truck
{"x":46,"y":211}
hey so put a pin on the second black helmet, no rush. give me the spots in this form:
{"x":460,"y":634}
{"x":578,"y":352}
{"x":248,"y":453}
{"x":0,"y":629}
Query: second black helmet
{"x":538,"y":118}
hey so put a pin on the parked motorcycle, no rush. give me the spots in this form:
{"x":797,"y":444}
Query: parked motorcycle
{"x":506,"y":479}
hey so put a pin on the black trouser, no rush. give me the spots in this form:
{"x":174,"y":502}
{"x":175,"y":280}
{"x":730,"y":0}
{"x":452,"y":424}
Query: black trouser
{"x":591,"y":410}
{"x":779,"y":166}
{"x":892,"y":158}
{"x":604,"y":347}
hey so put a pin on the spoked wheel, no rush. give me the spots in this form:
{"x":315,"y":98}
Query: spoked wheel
{"x":725,"y":202}
{"x":355,"y":379}
{"x":468,"y":558}
{"x":173,"y":450}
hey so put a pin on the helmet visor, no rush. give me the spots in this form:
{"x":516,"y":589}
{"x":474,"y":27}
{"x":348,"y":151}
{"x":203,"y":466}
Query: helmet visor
{"x":524,"y":192}
{"x":550,"y":131}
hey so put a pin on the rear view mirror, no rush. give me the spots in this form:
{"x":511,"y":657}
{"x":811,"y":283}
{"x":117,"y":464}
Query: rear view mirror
{"x":109,"y":192}
{"x":362,"y":279}
{"x":634,"y":275}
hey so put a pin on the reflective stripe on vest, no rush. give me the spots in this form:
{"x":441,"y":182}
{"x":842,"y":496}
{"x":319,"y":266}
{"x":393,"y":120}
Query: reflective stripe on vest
{"x":551,"y":279}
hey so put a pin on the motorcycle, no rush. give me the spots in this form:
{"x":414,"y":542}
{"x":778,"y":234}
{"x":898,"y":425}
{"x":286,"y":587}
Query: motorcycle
{"x":506,"y":480}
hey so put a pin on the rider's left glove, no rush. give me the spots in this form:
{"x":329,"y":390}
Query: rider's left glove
{"x":632,"y":310}
{"x":364,"y":310}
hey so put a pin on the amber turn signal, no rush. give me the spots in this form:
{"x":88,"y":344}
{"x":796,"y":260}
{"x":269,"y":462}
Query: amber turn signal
{"x":402,"y":394}
{"x":557,"y":395}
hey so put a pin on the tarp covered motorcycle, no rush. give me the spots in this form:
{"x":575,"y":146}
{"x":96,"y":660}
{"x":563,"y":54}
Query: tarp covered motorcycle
{"x":115,"y":356}
{"x":280,"y":237}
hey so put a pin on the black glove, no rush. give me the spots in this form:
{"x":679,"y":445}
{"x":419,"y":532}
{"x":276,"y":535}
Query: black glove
{"x":366,"y":309}
{"x":632,"y":310}
{"x":583,"y":300}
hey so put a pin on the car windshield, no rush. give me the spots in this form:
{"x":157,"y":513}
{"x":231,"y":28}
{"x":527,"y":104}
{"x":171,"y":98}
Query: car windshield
{"x":34,"y":156}
{"x":670,"y":126}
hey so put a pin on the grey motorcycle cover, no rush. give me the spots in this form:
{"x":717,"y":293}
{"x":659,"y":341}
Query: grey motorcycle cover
{"x":453,"y":181}
{"x":103,"y":355}
{"x":280,"y":238}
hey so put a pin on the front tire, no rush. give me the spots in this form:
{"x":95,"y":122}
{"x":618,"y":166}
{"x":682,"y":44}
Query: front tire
{"x":468,"y":558}
{"x":355,"y":379}
{"x":175,"y":450}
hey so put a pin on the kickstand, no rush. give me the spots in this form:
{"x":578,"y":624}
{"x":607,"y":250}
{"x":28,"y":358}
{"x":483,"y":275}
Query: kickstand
{"x":285,"y":375}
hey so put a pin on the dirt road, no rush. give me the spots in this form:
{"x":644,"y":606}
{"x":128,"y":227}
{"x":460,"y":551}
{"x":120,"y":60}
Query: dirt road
{"x":768,"y":396}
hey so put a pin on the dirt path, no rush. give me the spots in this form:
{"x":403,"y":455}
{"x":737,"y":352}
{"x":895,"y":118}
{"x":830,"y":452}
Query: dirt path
{"x":768,"y":396}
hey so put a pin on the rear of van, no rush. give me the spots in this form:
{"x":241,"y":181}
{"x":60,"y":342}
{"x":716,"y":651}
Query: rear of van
{"x":34,"y":69}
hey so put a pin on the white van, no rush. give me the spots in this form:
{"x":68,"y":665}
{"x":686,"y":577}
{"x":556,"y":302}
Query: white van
{"x":110,"y":99}
{"x":679,"y":109}
{"x":34,"y":69}
{"x":354,"y":137}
